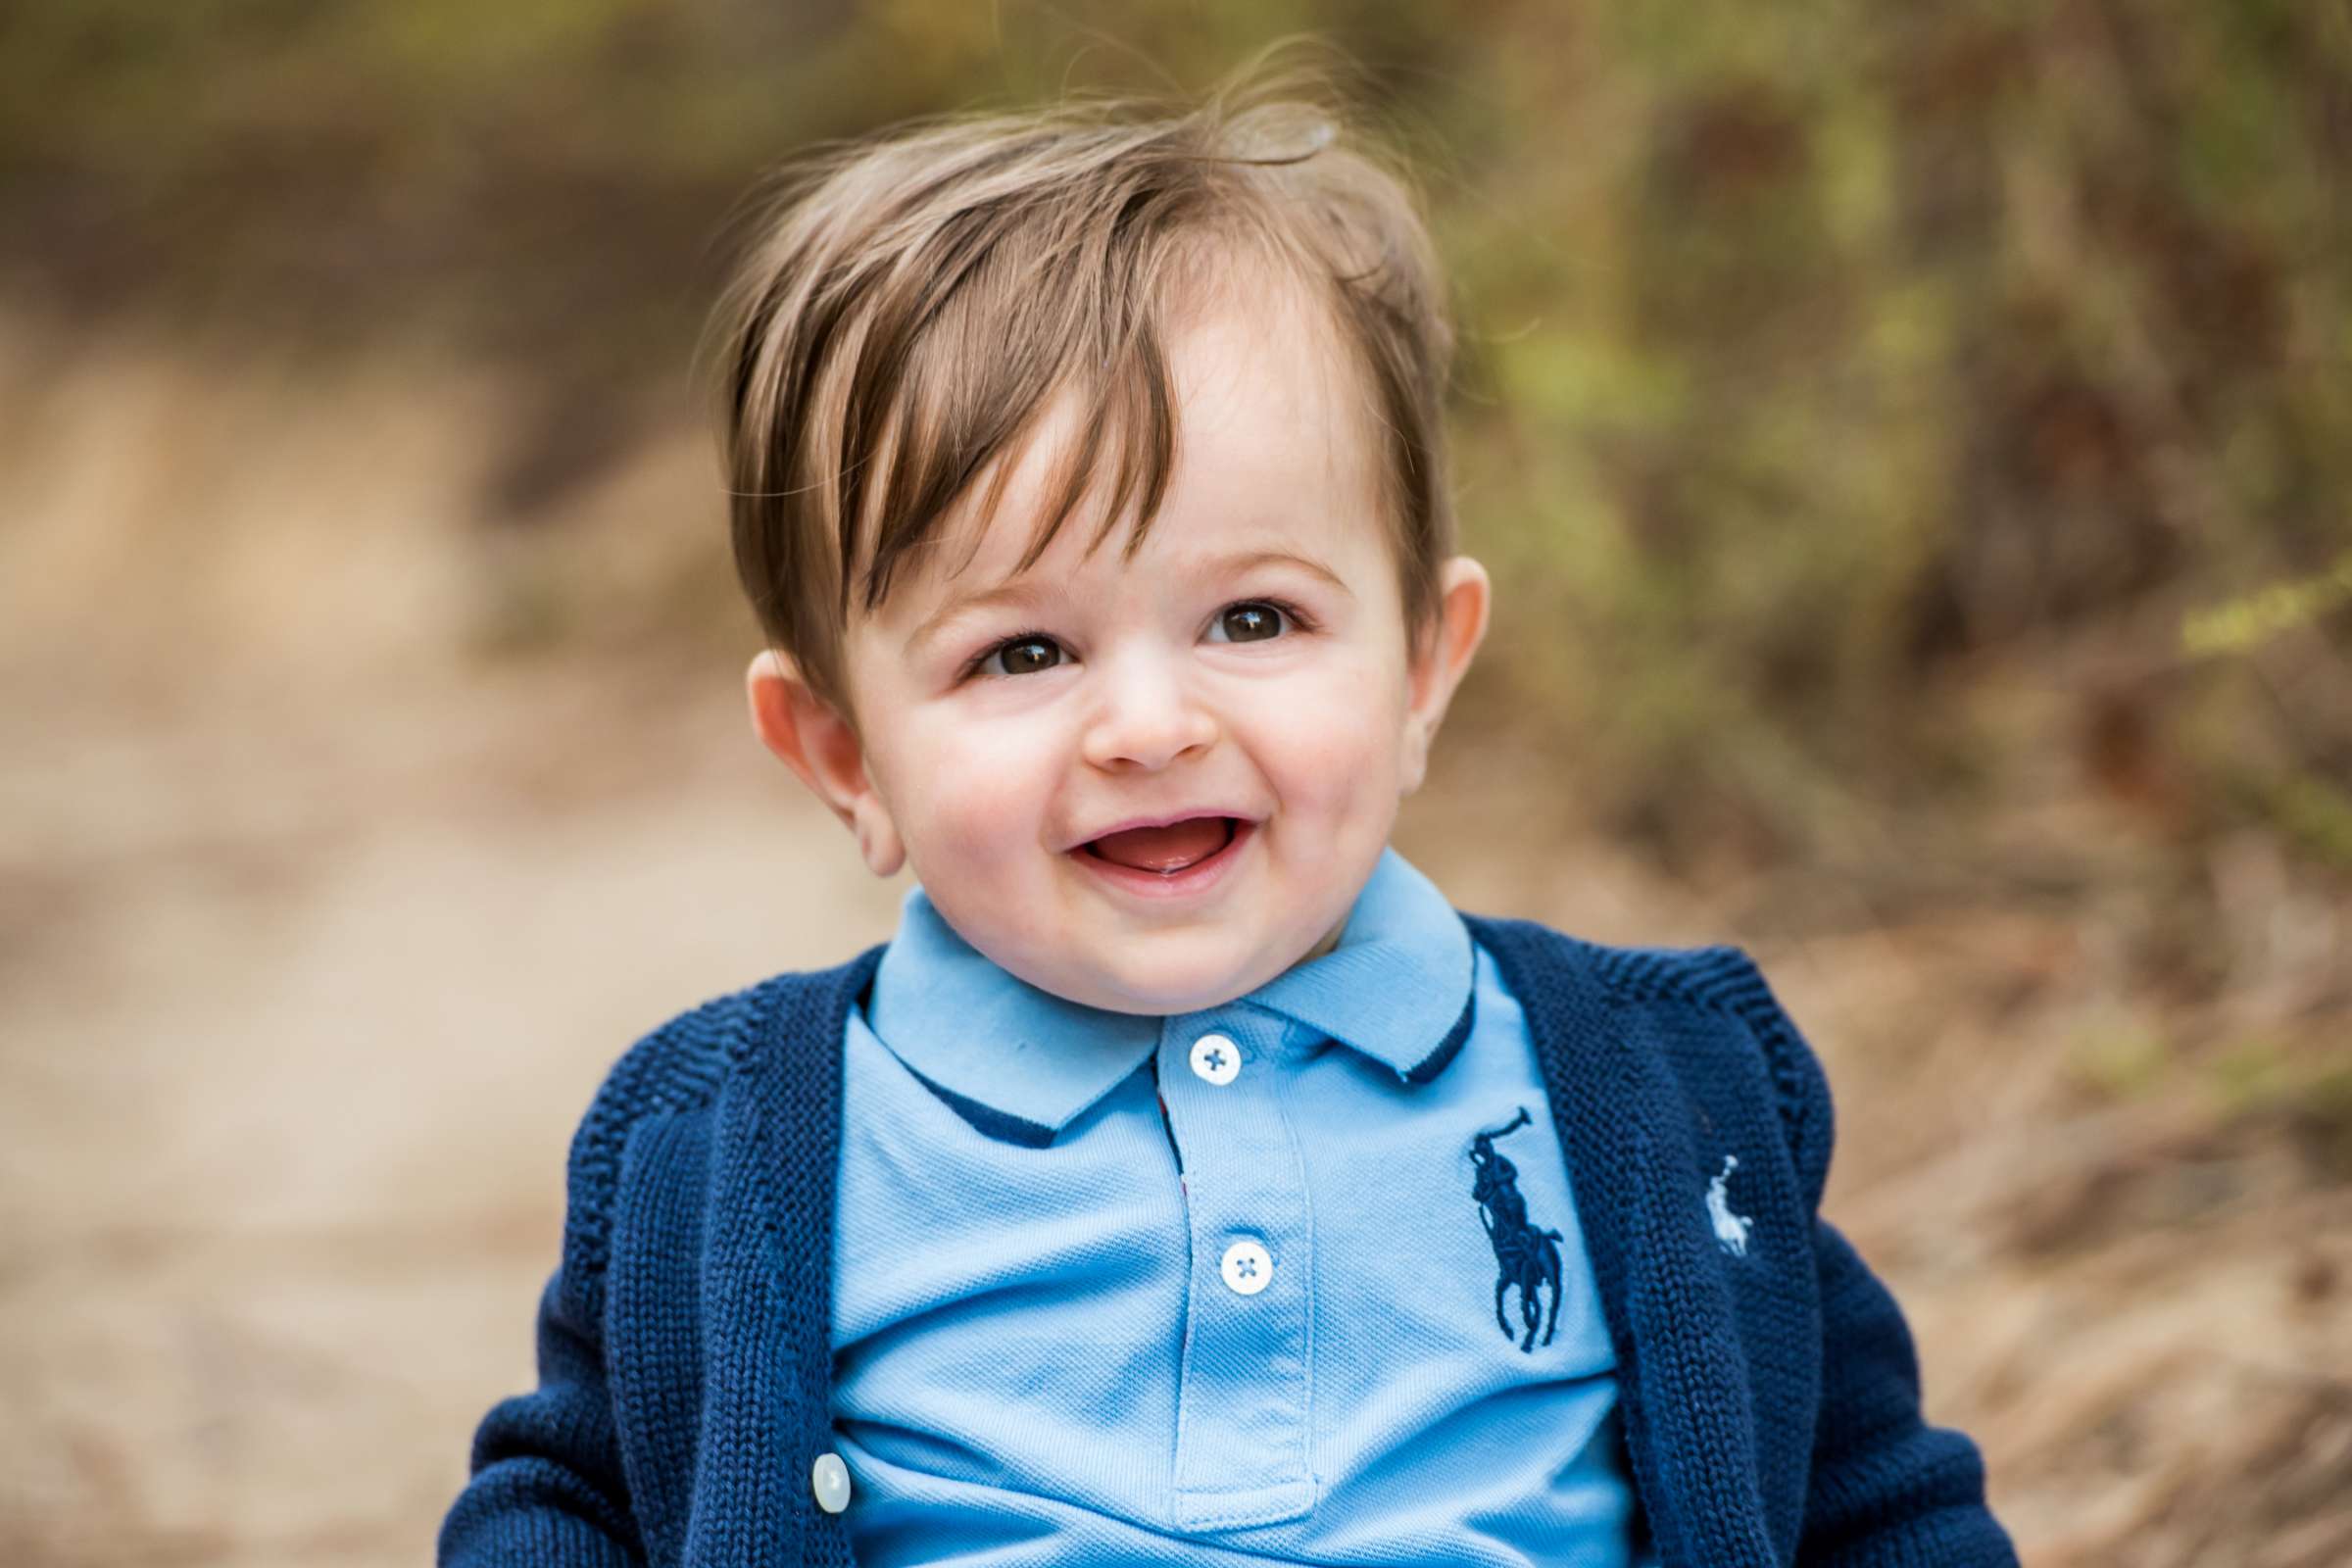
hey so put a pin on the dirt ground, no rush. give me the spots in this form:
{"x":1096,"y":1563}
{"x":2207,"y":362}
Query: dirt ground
{"x":315,"y":935}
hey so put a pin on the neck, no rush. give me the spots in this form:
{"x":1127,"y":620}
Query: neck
{"x":1331,"y":939}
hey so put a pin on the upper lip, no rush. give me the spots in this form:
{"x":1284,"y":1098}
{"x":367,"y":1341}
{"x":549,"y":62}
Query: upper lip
{"x":1163,"y":820}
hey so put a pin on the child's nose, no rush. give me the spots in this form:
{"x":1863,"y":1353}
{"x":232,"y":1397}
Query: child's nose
{"x":1145,"y":716}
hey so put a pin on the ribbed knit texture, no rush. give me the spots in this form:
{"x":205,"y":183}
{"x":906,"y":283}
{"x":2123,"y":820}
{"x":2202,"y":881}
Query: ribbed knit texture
{"x":1770,"y":1400}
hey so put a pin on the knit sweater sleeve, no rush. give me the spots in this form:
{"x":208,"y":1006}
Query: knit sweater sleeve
{"x":1886,"y":1487}
{"x":547,"y":1484}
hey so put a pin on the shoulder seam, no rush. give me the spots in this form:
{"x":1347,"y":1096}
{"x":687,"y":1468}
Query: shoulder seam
{"x":1723,"y":978}
{"x":677,"y":1067}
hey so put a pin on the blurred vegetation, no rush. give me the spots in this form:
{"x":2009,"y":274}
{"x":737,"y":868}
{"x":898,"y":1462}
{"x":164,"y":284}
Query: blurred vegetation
{"x":1885,"y":420}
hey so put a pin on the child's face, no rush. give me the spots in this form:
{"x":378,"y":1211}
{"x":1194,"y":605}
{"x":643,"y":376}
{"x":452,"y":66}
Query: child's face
{"x":1250,"y":664}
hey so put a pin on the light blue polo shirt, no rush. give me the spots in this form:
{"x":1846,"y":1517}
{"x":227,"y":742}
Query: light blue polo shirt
{"x":1297,"y":1278}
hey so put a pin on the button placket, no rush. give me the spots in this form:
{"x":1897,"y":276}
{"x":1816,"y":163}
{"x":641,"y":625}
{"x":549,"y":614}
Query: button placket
{"x":1241,"y":1432}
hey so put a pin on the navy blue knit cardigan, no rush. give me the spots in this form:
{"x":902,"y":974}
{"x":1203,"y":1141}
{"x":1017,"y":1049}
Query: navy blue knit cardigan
{"x":1770,"y":1395}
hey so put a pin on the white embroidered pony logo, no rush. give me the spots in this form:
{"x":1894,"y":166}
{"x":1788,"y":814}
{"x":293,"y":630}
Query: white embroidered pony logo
{"x":1731,"y":1230}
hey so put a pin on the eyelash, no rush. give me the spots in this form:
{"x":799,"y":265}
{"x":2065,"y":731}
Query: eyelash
{"x":974,"y":666}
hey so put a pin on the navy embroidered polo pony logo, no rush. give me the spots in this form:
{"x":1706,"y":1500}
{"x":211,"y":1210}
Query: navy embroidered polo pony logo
{"x":1525,"y":1255}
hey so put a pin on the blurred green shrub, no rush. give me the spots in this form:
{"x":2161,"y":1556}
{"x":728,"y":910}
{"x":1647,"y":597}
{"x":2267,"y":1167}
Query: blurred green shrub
{"x":1841,"y":381}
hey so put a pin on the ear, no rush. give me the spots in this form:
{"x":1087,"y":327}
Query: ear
{"x":822,"y":747}
{"x":1440,"y":659}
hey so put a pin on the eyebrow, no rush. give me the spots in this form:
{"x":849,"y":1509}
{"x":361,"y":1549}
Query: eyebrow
{"x":1028,"y":590}
{"x":1017,"y":591}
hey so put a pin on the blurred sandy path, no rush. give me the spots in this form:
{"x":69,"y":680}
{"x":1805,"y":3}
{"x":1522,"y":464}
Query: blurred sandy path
{"x":287,"y":1087}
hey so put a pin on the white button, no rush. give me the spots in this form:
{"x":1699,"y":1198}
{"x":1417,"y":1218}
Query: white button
{"x":830,"y":1479}
{"x":1247,"y":1268}
{"x":1216,"y":1059}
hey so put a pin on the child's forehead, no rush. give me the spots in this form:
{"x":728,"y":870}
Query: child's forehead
{"x":1273,"y":452}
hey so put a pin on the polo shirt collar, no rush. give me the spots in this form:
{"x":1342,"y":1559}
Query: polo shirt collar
{"x":1019,"y":1061}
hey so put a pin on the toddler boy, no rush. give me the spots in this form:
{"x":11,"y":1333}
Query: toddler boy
{"x":1186,"y":1180}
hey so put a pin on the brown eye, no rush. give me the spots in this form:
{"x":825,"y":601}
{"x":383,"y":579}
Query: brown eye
{"x":1025,"y":656}
{"x":1251,"y":622}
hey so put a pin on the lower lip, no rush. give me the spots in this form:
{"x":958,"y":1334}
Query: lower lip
{"x":1195,"y":880}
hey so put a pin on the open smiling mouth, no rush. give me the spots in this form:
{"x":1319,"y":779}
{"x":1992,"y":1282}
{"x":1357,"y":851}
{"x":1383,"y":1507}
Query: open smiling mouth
{"x":1168,"y":850}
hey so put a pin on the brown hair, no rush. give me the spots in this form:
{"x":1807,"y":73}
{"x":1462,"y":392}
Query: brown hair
{"x":905,"y":308}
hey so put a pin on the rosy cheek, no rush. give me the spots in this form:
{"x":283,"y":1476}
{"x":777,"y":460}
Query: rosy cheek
{"x":983,"y":796}
{"x":1336,"y":744}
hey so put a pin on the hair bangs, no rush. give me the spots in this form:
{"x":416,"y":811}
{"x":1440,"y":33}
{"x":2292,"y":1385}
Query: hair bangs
{"x":1031,"y":335}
